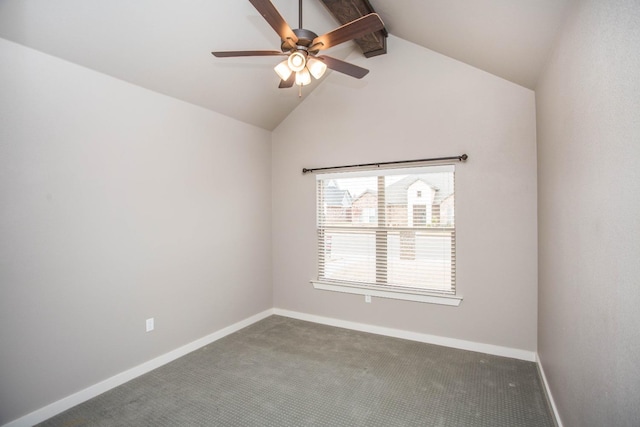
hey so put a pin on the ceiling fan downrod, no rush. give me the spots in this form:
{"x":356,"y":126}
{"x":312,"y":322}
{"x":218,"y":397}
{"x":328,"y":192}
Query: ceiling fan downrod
{"x":299,"y":13}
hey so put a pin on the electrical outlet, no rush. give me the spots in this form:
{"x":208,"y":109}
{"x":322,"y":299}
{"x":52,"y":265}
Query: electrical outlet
{"x":150,"y":325}
{"x":367,"y":298}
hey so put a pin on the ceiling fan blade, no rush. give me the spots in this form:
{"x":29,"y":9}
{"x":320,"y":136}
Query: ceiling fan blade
{"x":367,"y":24}
{"x":273,"y":18}
{"x":233,"y":53}
{"x":343,"y":67}
{"x":287,"y":83}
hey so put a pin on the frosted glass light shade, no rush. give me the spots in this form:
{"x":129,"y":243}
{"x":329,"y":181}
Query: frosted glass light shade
{"x":296,"y":61}
{"x":303,"y":77}
{"x":316,"y":67}
{"x":283,"y":70}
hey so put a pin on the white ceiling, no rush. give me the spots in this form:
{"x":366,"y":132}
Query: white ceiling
{"x":165,"y":45}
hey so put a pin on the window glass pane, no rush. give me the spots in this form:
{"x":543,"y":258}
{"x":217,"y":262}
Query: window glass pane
{"x":420,"y":259}
{"x":415,"y":200}
{"x":349,"y":201}
{"x":350,"y":256}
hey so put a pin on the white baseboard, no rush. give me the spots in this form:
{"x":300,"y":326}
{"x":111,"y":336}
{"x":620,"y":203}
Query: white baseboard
{"x":121,"y":378}
{"x":547,"y":390}
{"x":529,"y":356}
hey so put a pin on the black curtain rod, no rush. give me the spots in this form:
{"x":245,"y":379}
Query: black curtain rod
{"x":461,"y":158}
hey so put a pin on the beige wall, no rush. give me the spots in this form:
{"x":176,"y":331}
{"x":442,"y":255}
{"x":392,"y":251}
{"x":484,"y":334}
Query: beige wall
{"x":416,"y":103}
{"x":588,"y":108}
{"x":118,"y":204}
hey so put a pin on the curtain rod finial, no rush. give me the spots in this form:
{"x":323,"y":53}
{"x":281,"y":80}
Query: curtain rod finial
{"x":464,"y":157}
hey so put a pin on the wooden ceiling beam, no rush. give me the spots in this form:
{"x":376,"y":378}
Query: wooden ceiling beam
{"x":346,"y":11}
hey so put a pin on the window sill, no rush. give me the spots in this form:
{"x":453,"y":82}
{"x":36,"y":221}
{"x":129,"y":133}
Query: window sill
{"x":450,"y":300}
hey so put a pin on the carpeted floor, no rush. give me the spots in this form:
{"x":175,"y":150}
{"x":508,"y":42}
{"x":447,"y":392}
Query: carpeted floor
{"x":282,"y":372}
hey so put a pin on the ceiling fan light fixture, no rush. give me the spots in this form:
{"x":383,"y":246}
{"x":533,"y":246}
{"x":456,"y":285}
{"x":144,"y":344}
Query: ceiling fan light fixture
{"x":283,"y":70}
{"x":297,"y":61}
{"x":316,"y":67}
{"x":303,"y":77}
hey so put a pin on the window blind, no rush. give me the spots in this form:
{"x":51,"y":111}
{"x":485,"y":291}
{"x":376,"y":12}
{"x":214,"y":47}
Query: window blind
{"x":390,"y":229}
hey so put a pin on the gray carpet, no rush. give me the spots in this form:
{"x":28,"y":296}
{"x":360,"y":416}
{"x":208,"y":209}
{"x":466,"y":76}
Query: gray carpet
{"x":282,"y":372}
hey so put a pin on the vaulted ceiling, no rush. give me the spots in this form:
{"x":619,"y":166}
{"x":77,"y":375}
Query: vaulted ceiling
{"x":165,"y":45}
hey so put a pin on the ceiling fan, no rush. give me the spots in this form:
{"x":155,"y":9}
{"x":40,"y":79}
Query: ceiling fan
{"x":301,"y":46}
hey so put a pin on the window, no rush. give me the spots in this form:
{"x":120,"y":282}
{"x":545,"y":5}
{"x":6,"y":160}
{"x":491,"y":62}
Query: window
{"x":389,"y":231}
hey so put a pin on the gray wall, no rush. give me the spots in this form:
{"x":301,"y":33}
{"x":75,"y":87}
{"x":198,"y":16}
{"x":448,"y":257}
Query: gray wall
{"x":588,"y":112}
{"x":416,"y":103}
{"x":118,"y":204}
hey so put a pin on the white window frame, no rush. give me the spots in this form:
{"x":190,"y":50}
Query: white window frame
{"x":386,"y":291}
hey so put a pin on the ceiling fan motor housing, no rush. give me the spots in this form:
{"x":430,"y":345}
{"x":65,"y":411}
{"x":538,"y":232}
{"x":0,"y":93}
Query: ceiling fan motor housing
{"x":305,"y":38}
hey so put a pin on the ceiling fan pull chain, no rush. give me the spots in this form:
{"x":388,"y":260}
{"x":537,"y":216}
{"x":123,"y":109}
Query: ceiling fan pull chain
{"x":299,"y":91}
